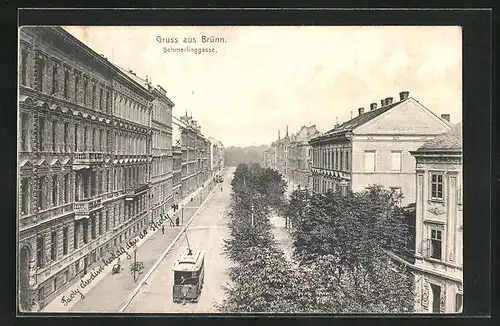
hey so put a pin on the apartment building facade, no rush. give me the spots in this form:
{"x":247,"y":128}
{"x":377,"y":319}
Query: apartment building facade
{"x":216,"y":156}
{"x":299,"y":156}
{"x":374,"y":147}
{"x":438,"y":264}
{"x":195,"y":154}
{"x":83,"y":161}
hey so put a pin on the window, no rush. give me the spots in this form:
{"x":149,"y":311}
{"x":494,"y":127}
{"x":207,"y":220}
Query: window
{"x":40,"y":69}
{"x":436,"y":244}
{"x":66,"y":188}
{"x":93,"y":228}
{"x":24,"y":131}
{"x":65,"y":241}
{"x":66,"y":136}
{"x":75,"y":235}
{"x":94,"y":96}
{"x":101,"y":99}
{"x":25,"y":191}
{"x":436,"y":296}
{"x":24,"y":64}
{"x":41,"y":188}
{"x":101,"y":225}
{"x":66,"y":83}
{"x":396,"y":161}
{"x":107,"y":221}
{"x":39,"y":251}
{"x":53,"y":245}
{"x":459,"y":302}
{"x":107,"y":100}
{"x":93,"y":139}
{"x":437,"y":186}
{"x":85,"y":85}
{"x":77,"y":82}
{"x":55,"y":71}
{"x":85,"y":231}
{"x":347,"y":161}
{"x":55,"y":191}
{"x":370,"y":161}
{"x":341,"y":160}
{"x":54,"y":135}
{"x":85,"y":137}
{"x":41,"y":133}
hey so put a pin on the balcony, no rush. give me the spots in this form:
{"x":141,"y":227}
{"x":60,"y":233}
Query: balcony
{"x":83,"y":208}
{"x":132,"y":192}
{"x":87,"y":158}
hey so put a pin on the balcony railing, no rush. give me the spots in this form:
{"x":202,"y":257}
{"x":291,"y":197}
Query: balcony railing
{"x":131,"y":192}
{"x":83,"y":208}
{"x":88,"y":158}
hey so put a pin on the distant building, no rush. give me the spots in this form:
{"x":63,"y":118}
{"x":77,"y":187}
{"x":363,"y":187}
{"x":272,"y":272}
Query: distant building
{"x":439,"y":224}
{"x":374,"y":147}
{"x":216,"y":156}
{"x":195,"y":154}
{"x":299,"y":156}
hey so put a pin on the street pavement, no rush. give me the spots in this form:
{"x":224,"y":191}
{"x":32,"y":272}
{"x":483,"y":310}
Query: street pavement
{"x":110,"y":292}
{"x":206,"y":232}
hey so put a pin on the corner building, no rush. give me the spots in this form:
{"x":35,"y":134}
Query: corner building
{"x":438,"y":267}
{"x":84,"y":161}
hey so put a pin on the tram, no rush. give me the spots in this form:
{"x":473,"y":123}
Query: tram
{"x":188,"y":276}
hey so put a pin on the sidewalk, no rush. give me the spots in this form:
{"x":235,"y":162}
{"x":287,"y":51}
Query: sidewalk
{"x":107,"y":292}
{"x":282,"y":236}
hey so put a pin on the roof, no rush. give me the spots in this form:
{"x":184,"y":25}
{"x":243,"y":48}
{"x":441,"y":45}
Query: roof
{"x":451,"y":139}
{"x":189,"y":262}
{"x":362,"y":119}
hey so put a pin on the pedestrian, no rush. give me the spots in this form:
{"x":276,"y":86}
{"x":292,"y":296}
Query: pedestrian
{"x":163,"y":229}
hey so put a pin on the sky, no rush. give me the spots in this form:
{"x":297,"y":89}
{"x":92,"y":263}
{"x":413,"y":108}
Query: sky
{"x":262,"y":79}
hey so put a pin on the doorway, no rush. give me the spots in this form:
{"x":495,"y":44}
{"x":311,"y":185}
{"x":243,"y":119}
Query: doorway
{"x":24,"y":259}
{"x":436,"y":298}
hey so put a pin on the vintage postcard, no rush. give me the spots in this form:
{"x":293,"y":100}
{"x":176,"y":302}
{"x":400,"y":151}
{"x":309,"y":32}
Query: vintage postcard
{"x":240,"y":169}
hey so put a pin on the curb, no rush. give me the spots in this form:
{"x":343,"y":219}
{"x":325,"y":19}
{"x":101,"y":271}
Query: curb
{"x":126,"y":303}
{"x":106,"y":271}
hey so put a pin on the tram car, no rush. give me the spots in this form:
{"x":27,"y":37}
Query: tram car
{"x":188,"y":276}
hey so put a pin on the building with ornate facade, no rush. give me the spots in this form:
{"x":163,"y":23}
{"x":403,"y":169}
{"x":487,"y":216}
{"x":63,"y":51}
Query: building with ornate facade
{"x":299,"y":156}
{"x":195,"y":155}
{"x":438,"y":264}
{"x":374,"y":147}
{"x":84,"y":161}
{"x":177,"y":127}
{"x":216,"y":156}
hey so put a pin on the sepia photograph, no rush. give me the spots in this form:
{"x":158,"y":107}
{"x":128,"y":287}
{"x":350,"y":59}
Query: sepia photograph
{"x":240,"y":170}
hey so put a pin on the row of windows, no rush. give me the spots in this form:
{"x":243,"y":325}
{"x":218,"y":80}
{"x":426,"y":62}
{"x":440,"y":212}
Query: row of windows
{"x":131,"y":110}
{"x":46,"y":289}
{"x":59,"y":136}
{"x":89,"y":94}
{"x":331,"y":159}
{"x":161,"y":166}
{"x":51,"y":192}
{"x":162,"y":140}
{"x":370,"y":159}
{"x":56,"y":190}
{"x":130,"y":144}
{"x":162,"y":113}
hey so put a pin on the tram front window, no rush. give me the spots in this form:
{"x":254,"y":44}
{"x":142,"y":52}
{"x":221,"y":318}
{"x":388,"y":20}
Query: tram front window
{"x":185,"y":278}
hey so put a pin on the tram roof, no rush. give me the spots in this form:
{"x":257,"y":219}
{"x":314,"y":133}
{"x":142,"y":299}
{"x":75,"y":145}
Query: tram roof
{"x":188,"y":262}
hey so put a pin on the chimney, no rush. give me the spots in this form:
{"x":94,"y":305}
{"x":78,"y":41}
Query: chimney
{"x":373,"y":106}
{"x":361,"y":111}
{"x":336,"y":121}
{"x":388,"y":100}
{"x":445,"y":117}
{"x":403,"y":95}
{"x":382,"y":102}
